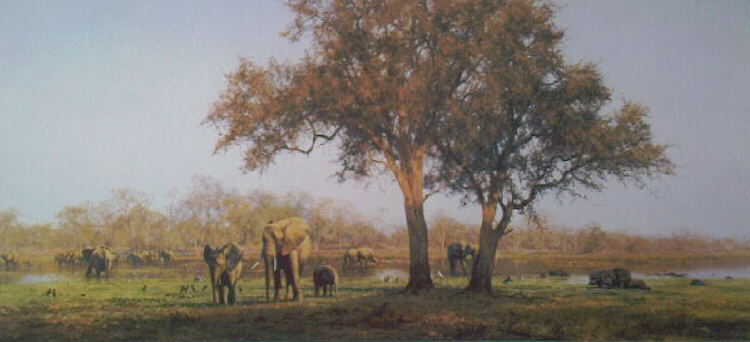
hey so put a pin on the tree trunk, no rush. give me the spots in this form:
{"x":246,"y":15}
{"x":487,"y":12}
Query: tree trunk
{"x":484,"y":266}
{"x":419,"y":262}
{"x":411,"y":182}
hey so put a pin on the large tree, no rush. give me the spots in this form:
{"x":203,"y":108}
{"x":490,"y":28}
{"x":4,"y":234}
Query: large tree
{"x":525,"y":122}
{"x":376,"y":80}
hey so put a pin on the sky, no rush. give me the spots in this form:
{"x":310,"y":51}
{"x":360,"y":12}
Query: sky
{"x":98,"y":95}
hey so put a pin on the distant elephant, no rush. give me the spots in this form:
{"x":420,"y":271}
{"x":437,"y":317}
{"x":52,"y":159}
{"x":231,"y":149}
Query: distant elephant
{"x":350,"y":258}
{"x":61,"y":259}
{"x":616,"y":277}
{"x":225,"y":269}
{"x":362,"y":256}
{"x":11,"y":260}
{"x":165,"y":257}
{"x":149,"y":257}
{"x":325,"y":277}
{"x":286,"y":246}
{"x":86,"y":255}
{"x":134,"y":259}
{"x":98,"y":261}
{"x":365,"y":255}
{"x":558,"y":272}
{"x":457,"y":254}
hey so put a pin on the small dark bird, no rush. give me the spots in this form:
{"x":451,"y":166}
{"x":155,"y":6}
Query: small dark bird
{"x":49,"y":292}
{"x":205,"y":287}
{"x":144,"y":288}
{"x":54,"y":292}
{"x":507,"y":280}
{"x":83,"y":295}
{"x":192,"y":287}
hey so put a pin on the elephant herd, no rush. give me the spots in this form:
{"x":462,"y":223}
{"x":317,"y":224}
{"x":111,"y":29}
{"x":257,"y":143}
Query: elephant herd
{"x":142,"y":258}
{"x":100,"y":260}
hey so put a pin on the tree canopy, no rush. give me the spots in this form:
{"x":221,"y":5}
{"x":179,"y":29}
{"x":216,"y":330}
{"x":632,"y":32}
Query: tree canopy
{"x":474,"y":96}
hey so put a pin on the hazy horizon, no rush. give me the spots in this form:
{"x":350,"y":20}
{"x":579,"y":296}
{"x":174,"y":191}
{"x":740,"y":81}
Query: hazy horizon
{"x":98,"y":96}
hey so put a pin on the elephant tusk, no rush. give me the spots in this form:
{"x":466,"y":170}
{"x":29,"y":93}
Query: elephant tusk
{"x":274,"y":264}
{"x":255,"y":265}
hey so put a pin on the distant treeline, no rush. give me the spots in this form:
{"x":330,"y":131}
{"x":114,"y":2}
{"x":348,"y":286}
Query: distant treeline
{"x":210,"y":213}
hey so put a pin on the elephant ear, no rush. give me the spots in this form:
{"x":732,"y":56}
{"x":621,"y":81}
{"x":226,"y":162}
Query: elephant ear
{"x":295,"y":233}
{"x":207,"y":253}
{"x":234,"y":256}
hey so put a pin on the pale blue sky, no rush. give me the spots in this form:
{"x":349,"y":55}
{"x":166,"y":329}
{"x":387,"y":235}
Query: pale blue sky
{"x":96,"y":95}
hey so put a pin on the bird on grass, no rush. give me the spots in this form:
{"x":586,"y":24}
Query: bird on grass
{"x":144,"y":288}
{"x":507,"y":280}
{"x":440,"y":274}
{"x":204,"y":287}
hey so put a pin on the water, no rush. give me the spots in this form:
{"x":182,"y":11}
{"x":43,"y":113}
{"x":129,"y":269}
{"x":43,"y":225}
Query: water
{"x":32,"y":279}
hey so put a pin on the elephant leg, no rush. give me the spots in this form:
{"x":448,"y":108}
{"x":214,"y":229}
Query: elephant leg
{"x":452,"y":262}
{"x":289,"y":281}
{"x":232,"y":295}
{"x":276,"y":283}
{"x":221,"y":294}
{"x":294,"y":267}
{"x":317,"y":287}
{"x":214,"y":290}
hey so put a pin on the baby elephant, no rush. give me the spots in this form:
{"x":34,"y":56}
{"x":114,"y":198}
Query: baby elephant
{"x":325,"y":276}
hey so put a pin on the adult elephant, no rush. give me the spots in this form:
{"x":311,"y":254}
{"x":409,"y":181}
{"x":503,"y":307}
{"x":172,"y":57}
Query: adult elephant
{"x":286,"y":246}
{"x":11,"y":260}
{"x":99,"y":260}
{"x":365,"y":256}
{"x":165,"y":257}
{"x":225,"y":269}
{"x":134,"y":259}
{"x":458,"y":253}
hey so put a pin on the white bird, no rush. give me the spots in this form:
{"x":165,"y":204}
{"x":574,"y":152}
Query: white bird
{"x":440,"y":274}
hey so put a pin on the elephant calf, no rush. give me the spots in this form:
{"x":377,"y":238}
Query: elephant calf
{"x":225,"y":268}
{"x":325,"y":276}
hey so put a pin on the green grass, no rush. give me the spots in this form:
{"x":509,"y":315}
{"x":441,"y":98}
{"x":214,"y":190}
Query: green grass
{"x":367,"y":308}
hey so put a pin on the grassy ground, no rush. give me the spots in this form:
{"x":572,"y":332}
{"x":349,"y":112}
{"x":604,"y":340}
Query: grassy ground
{"x":367,"y":308}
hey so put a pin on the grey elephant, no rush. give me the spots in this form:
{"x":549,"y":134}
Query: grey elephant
{"x":165,"y":257}
{"x":286,"y":247}
{"x":11,"y":260}
{"x":134,"y":259}
{"x":362,"y":256}
{"x":612,"y":278}
{"x":98,"y":261}
{"x":458,"y":253}
{"x":325,"y":277}
{"x":225,"y":269}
